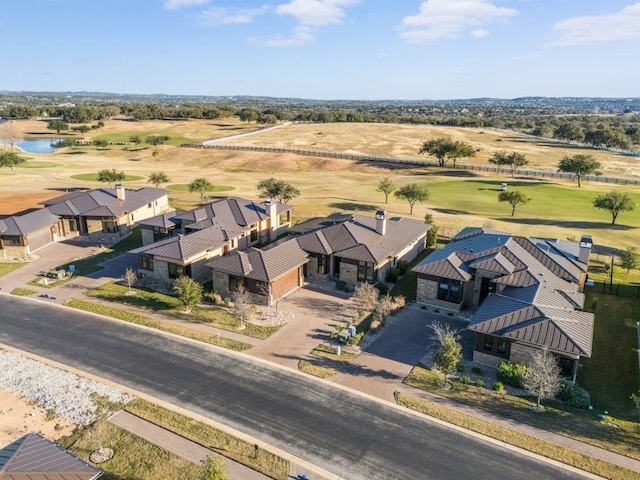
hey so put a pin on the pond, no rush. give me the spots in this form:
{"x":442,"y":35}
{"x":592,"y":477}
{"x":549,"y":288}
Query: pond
{"x":39,"y":146}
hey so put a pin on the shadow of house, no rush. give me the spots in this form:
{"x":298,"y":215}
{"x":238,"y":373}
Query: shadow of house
{"x":527,"y":294}
{"x":34,"y":457}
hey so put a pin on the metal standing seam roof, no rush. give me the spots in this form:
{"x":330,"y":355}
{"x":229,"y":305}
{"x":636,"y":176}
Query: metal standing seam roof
{"x":20,"y":225}
{"x":448,"y":267}
{"x":263,"y":265}
{"x":185,"y":247}
{"x":104,"y":200}
{"x":33,"y":457}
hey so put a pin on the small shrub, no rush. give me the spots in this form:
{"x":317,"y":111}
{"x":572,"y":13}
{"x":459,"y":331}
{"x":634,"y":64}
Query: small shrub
{"x":466,"y":380}
{"x":511,"y":373}
{"x":423,"y":307}
{"x":479,"y":383}
{"x":498,"y":387}
{"x":341,"y":285}
{"x":50,"y":414}
{"x":437,"y":310}
{"x":399,"y":302}
{"x":382,"y":288}
{"x":573,"y":394}
{"x":460,"y":367}
{"x":375,"y":326}
{"x":227,"y":301}
{"x":392,"y":275}
{"x":216,"y":298}
{"x":402,"y":266}
{"x":355,"y":340}
{"x":476,"y":370}
{"x":450,"y":314}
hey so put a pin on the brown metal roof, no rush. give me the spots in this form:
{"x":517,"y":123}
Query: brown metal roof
{"x":19,"y":225}
{"x":185,"y":247}
{"x":448,"y":267}
{"x":103,"y":202}
{"x":33,"y":457}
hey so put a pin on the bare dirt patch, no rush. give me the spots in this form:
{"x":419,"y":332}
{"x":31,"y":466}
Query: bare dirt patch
{"x":19,"y":416}
{"x":11,"y":203}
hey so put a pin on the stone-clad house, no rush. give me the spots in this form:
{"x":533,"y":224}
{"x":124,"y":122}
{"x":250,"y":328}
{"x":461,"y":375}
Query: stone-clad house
{"x":525,"y":293}
{"x":181,"y":242}
{"x":21,"y":235}
{"x":357,"y":248}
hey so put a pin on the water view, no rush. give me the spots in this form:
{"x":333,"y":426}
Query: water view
{"x":47,"y":145}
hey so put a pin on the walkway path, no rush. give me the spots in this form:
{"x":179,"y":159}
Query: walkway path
{"x":376,"y":371}
{"x":246,"y":134}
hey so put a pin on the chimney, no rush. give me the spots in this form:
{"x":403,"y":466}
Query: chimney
{"x":271,"y":206}
{"x":381,"y":222}
{"x":119,"y":191}
{"x":585,"y":249}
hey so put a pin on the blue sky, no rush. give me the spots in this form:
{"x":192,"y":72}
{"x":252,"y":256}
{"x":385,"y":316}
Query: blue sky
{"x":324,"y":49}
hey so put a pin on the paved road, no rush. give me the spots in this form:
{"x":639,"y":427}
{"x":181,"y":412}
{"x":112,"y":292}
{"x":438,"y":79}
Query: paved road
{"x":345,"y":433}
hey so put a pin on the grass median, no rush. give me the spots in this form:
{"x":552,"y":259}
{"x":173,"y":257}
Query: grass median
{"x":165,"y":326}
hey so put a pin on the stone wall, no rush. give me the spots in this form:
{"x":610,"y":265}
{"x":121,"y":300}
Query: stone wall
{"x":147,"y":236}
{"x":427,"y":292}
{"x":487,"y":359}
{"x":349,"y":273}
{"x":521,"y":353}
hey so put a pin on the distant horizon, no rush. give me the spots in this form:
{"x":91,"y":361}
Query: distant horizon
{"x":325,"y":50}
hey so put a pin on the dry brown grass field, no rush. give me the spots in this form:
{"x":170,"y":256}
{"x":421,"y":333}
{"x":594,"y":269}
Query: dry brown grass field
{"x":326,"y":185}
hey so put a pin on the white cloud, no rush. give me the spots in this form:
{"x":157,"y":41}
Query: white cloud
{"x":480,"y":33}
{"x":316,"y":12}
{"x":216,"y":16}
{"x":588,"y":30}
{"x":447,"y":18}
{"x":178,"y":4}
{"x":302,"y":35}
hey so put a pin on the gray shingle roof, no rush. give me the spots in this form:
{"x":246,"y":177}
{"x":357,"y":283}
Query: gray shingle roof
{"x":20,"y":225}
{"x":164,"y":220}
{"x":103,"y":202}
{"x":33,"y":457}
{"x":264,"y":265}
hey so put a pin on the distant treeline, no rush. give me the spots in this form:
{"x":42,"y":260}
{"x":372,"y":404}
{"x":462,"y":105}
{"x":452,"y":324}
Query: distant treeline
{"x":613,"y":129}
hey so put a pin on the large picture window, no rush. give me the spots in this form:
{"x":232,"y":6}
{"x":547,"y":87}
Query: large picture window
{"x":175,"y":270}
{"x":365,"y":272}
{"x":145,"y":263}
{"x":235,"y":282}
{"x":449,"y":290}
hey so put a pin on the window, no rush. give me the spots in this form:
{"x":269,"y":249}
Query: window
{"x":492,"y":345}
{"x":109,"y":226}
{"x":16,"y":241}
{"x":175,"y":270}
{"x":365,"y":272}
{"x":72,"y":225}
{"x":253,"y":233}
{"x":488,"y":343}
{"x":502,"y":347}
{"x":323,"y":260}
{"x":148,"y":205}
{"x":145,"y":263}
{"x":449,"y":290}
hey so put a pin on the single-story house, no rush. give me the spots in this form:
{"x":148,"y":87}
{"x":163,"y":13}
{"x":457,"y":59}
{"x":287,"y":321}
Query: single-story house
{"x":21,"y":235}
{"x":34,"y":457}
{"x":107,"y":211}
{"x":525,"y":293}
{"x":267,"y":274}
{"x":357,"y":248}
{"x":192,"y":237}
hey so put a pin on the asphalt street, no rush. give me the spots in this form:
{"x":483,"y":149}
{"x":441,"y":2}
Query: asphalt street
{"x":343,"y":432}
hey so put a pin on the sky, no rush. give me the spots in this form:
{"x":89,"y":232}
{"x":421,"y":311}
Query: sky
{"x":323,"y":49}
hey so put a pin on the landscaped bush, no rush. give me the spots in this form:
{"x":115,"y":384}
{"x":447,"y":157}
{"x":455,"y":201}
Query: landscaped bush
{"x":375,"y":326}
{"x":573,"y":394}
{"x":399,"y":302}
{"x":498,"y":387}
{"x":480,"y":383}
{"x":476,"y":370}
{"x":511,"y":373}
{"x":382,"y":288}
{"x":355,"y":340}
{"x":402,"y":266}
{"x":460,"y":367}
{"x":392,"y":275}
{"x":341,"y":285}
{"x":216,"y":298}
{"x":466,"y":380}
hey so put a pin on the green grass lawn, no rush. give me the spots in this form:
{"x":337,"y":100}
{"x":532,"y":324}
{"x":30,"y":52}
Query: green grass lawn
{"x":10,"y":267}
{"x":324,"y":351}
{"x":316,"y":370}
{"x":36,"y":164}
{"x":169,"y":305}
{"x":611,"y":374}
{"x":23,"y":292}
{"x":184,"y":187}
{"x":93,"y":177}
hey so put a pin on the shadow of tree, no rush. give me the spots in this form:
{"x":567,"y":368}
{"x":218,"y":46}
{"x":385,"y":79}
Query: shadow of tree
{"x":346,"y":368}
{"x":354,"y":206}
{"x":567,"y":224}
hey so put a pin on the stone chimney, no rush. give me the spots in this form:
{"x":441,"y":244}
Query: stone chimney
{"x":119,"y":191}
{"x":271,"y":206}
{"x":381,"y":222}
{"x":585,"y":249}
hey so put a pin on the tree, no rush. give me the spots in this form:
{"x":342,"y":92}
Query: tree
{"x":248,"y":115}
{"x":449,"y":352}
{"x":365,"y":295}
{"x":412,"y":193}
{"x":630,"y":259}
{"x":242,"y":306}
{"x":11,"y":160}
{"x":155,"y":140}
{"x":580,"y":165}
{"x":201,"y":185}
{"x":189,"y":292}
{"x":213,"y":469}
{"x":614,"y":202}
{"x":445,"y":149}
{"x":57,"y":125}
{"x":513,"y":160}
{"x":101,"y":143}
{"x":110,"y":176}
{"x":81,"y":128}
{"x":157,"y":178}
{"x":10,"y":133}
{"x":136,"y":140}
{"x":542,"y":379}
{"x":278,"y":189}
{"x":387,"y":187}
{"x":569,"y":131}
{"x":129,"y":277}
{"x":513,"y":198}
